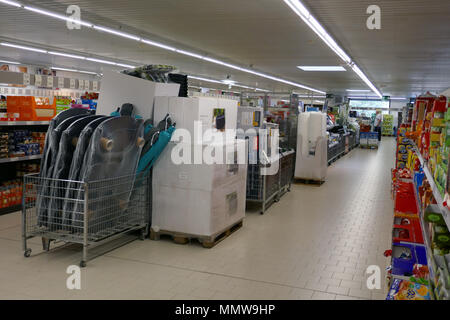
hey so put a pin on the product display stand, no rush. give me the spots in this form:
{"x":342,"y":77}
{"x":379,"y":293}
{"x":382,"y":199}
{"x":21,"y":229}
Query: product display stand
{"x":6,"y":163}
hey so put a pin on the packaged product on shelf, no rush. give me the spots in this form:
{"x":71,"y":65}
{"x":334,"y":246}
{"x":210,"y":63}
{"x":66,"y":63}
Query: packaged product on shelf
{"x":408,"y":290}
{"x":62,"y":103}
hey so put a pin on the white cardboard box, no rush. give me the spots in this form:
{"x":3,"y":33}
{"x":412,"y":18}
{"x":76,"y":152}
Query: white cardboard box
{"x":185,"y":111}
{"x":198,"y":212}
{"x":117,"y":89}
{"x":197,"y":199}
{"x":200,"y":176}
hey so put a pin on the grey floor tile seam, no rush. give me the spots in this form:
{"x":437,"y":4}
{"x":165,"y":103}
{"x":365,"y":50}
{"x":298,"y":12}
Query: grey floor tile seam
{"x":219,"y":274}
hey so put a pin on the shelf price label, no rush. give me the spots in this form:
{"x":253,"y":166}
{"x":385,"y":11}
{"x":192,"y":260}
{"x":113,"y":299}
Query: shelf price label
{"x":72,"y":83}
{"x":60,"y":82}
{"x":26,"y":79}
{"x":37,"y":80}
{"x":50,"y":82}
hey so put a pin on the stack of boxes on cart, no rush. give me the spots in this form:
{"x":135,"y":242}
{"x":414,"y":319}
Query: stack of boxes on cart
{"x":193,"y":196}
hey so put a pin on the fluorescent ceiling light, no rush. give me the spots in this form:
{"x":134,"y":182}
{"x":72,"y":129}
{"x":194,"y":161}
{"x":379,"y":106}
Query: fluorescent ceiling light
{"x":322,"y":68}
{"x":366,"y":80}
{"x":229,"y":82}
{"x":306,"y":16}
{"x":191,"y":54}
{"x":64,"y":69}
{"x":11,"y":3}
{"x":398,"y":98}
{"x":157,"y":44}
{"x":101,"y":61}
{"x":357,"y":90}
{"x":74,"y":70}
{"x":10,"y":62}
{"x":67,"y":55}
{"x":300,"y":8}
{"x":221,"y":82}
{"x":125,"y":65}
{"x":118,"y":33}
{"x":22,"y":47}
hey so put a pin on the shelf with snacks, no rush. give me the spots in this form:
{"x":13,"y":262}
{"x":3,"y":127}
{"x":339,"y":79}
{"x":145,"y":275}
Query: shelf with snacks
{"x":409,"y":262}
{"x":433,"y":216}
{"x":11,"y":186}
{"x":18,"y":144}
{"x":435,"y":190}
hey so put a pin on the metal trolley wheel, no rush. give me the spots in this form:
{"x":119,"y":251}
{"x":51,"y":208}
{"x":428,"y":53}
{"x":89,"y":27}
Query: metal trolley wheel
{"x":27,"y":253}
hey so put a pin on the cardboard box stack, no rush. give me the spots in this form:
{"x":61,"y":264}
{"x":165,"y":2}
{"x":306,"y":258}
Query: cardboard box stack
{"x":201,"y":199}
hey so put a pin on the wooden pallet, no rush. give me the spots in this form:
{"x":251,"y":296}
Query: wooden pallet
{"x":308,"y":181}
{"x":206,"y":241}
{"x":368,"y":147}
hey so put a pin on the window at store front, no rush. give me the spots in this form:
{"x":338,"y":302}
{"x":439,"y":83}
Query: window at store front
{"x":367,"y":108}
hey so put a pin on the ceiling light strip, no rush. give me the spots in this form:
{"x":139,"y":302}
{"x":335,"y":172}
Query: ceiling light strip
{"x":161,"y":45}
{"x":74,"y":70}
{"x":11,"y":3}
{"x":222,"y":83}
{"x":67,"y":55}
{"x":9,"y":62}
{"x":306,"y":16}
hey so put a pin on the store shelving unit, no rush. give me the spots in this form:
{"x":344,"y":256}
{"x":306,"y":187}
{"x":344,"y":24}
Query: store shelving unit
{"x":10,"y":209}
{"x":436,"y":194}
{"x":23,"y":123}
{"x":25,"y":158}
{"x":426,"y":237}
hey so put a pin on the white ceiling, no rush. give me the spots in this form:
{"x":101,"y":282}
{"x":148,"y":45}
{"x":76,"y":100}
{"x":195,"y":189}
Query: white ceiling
{"x":409,"y":55}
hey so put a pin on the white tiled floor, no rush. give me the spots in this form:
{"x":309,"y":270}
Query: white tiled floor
{"x":316,"y":243}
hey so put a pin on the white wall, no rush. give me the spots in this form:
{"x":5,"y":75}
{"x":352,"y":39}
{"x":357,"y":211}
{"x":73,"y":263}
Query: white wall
{"x":397,"y":104}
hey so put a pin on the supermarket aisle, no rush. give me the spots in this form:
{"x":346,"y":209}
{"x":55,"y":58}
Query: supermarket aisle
{"x":315,"y":243}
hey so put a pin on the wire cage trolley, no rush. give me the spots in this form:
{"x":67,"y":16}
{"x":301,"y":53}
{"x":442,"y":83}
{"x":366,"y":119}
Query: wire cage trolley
{"x":86,"y":213}
{"x":262,"y":188}
{"x":287,"y":164}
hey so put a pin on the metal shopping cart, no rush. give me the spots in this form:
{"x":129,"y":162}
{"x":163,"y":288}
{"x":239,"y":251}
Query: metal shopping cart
{"x":86,"y":213}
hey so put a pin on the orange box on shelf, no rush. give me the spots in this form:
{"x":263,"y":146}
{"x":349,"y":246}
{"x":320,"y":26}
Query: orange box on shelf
{"x":30,"y":108}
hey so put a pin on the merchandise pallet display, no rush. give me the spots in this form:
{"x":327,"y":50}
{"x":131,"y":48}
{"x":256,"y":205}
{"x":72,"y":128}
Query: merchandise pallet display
{"x":368,"y":140}
{"x":387,"y":127}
